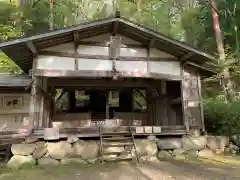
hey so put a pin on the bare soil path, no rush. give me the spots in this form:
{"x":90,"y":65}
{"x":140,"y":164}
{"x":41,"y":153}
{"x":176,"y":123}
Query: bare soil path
{"x":164,"y":170}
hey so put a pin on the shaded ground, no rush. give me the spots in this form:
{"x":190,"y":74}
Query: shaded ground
{"x":164,"y":170}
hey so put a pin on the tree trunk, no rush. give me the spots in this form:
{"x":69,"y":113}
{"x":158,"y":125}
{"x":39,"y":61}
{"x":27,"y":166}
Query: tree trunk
{"x":226,"y":79}
{"x":51,"y":15}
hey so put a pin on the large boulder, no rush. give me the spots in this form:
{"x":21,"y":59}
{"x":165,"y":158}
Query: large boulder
{"x":217,"y":142}
{"x":223,"y":141}
{"x":194,"y":143}
{"x":59,"y":150}
{"x":23,"y":149}
{"x":177,"y":152}
{"x":90,"y":150}
{"x":40,"y":151}
{"x":72,"y":160}
{"x":146,"y":148}
{"x":78,"y":148}
{"x":233,"y":148}
{"x":72,"y":139}
{"x":17,"y":161}
{"x":236,"y":140}
{"x":212,"y":143}
{"x":205,"y":153}
{"x":164,"y":155}
{"x":47,"y":161}
{"x":171,"y":143}
{"x":31,"y":140}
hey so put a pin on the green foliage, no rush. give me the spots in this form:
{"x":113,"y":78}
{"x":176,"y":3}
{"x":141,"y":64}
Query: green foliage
{"x":222,"y":117}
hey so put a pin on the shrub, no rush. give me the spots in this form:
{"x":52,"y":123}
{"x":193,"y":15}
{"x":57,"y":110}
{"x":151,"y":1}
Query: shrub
{"x":221,"y":117}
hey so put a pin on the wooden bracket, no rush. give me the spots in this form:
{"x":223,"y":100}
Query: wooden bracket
{"x":76,"y":42}
{"x":115,"y":28}
{"x":32,"y":48}
{"x":151,"y":43}
{"x":76,"y":38}
{"x":186,"y":57}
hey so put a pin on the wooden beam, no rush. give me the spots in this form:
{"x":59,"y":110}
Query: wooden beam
{"x":96,"y":74}
{"x":33,"y":118}
{"x":101,"y":57}
{"x":32,"y":48}
{"x":148,"y":54}
{"x":105,"y":44}
{"x":76,"y":40}
{"x":105,"y":83}
{"x":184,"y":102}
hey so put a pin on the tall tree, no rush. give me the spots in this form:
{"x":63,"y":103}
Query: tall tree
{"x":51,"y":2}
{"x":225,"y":76}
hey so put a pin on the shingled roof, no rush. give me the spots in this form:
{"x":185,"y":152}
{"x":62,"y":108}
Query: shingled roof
{"x":22,"y":50}
{"x":13,"y":81}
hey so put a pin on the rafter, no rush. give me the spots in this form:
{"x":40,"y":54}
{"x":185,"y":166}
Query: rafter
{"x":186,"y":56}
{"x":151,"y":43}
{"x":32,"y":47}
{"x":76,"y":38}
{"x":115,"y":28}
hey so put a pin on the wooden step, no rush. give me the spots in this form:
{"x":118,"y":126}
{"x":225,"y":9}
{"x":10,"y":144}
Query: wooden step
{"x":110,"y":153}
{"x":118,"y":144}
{"x":120,"y":138}
{"x":125,"y":133}
{"x":129,"y":151}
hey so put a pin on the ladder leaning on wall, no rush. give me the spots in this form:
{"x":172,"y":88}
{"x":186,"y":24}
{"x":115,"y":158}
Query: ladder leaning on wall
{"x":125,"y":142}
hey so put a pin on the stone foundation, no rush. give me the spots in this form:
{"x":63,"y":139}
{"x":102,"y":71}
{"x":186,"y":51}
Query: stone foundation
{"x":74,"y":150}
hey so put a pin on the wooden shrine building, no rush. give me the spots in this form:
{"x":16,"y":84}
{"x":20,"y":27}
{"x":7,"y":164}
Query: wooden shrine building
{"x":111,"y":73}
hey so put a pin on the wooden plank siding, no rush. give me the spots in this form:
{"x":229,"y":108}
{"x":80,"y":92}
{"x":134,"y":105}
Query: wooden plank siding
{"x":192,"y":98}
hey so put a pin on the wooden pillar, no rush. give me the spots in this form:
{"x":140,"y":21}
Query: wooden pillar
{"x":35,"y":103}
{"x":46,"y":102}
{"x":201,"y":102}
{"x":164,"y":105}
{"x":192,"y":99}
{"x":107,"y":104}
{"x":35,"y":100}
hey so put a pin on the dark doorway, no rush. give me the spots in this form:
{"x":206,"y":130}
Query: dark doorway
{"x":98,"y":105}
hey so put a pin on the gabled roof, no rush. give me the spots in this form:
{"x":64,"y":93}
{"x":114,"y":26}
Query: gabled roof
{"x":22,"y":53}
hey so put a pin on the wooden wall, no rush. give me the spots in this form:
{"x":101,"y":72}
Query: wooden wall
{"x":191,"y":92}
{"x":14,"y":118}
{"x":134,"y":57}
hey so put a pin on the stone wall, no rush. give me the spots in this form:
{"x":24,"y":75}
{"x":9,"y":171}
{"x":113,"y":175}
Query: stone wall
{"x":74,"y":150}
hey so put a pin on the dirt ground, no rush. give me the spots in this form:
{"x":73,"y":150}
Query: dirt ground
{"x":164,"y":170}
